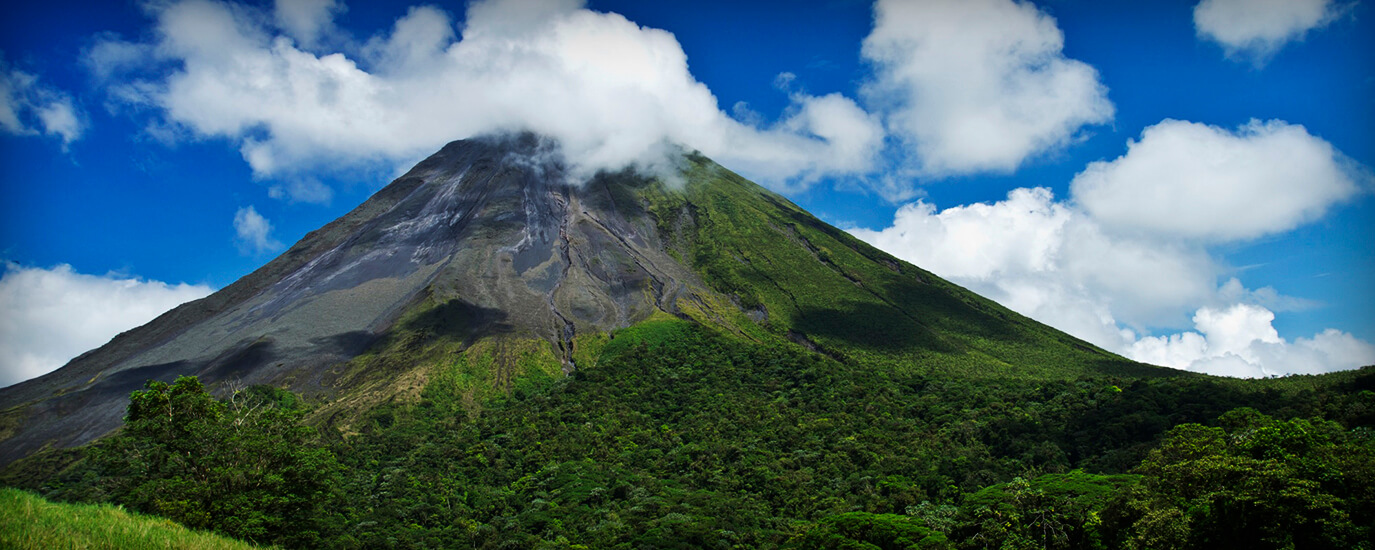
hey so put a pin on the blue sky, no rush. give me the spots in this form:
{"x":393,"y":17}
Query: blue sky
{"x":1185,"y":184}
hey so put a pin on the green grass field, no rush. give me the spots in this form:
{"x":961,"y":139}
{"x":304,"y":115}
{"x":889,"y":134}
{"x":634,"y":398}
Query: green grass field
{"x":29,"y":521}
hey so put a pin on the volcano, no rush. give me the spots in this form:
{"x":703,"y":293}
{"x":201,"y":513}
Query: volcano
{"x":489,"y":242}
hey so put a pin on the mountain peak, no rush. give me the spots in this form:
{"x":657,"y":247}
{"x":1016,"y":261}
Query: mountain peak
{"x":488,"y":229}
{"x":489,"y":241}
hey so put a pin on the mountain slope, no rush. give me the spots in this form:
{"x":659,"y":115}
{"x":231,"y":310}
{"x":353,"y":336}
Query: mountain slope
{"x":31,"y":522}
{"x":486,"y":249}
{"x":834,"y":292}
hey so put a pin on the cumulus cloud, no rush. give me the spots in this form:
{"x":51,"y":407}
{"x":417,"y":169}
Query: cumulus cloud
{"x":1241,"y":341}
{"x":1052,"y":262}
{"x":1056,"y":263}
{"x":1192,"y":180}
{"x":958,"y":87}
{"x":49,"y":316}
{"x":1257,"y":29}
{"x":978,"y":85}
{"x":612,"y":92}
{"x":30,"y":107}
{"x":253,"y":233}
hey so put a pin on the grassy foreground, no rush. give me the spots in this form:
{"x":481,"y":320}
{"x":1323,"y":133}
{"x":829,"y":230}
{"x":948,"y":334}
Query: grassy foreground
{"x":29,"y":521}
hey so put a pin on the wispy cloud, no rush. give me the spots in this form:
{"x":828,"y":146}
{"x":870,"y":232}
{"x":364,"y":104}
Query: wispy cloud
{"x":253,"y":233}
{"x":30,"y":107}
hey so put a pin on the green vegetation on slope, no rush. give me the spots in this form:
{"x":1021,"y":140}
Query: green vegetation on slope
{"x":444,"y":346}
{"x":1253,"y":482}
{"x":810,"y":282}
{"x":683,"y":436}
{"x":28,"y":522}
{"x":244,"y":467}
{"x":865,"y":531}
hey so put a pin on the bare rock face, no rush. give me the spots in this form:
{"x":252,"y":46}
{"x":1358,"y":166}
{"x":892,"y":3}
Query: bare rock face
{"x":491,"y":227}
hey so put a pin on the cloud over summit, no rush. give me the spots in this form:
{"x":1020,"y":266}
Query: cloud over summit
{"x":612,"y":92}
{"x":296,"y":94}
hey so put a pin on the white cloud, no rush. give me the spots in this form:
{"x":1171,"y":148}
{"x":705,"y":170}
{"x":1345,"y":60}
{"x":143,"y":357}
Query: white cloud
{"x":980,"y":241}
{"x":610,"y":91}
{"x":30,"y":107}
{"x":48,"y":316}
{"x":1059,"y":265}
{"x":1053,"y":263}
{"x":1257,"y":29}
{"x":108,"y":56}
{"x":1192,"y":180}
{"x":303,"y":189}
{"x":253,"y":233}
{"x":1240,"y":341}
{"x":978,"y":85}
{"x":307,"y":20}
{"x":59,"y":118}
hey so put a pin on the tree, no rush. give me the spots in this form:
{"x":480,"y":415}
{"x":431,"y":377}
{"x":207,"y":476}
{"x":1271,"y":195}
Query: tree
{"x":865,"y":531}
{"x":1052,"y":511}
{"x":1255,"y":482}
{"x":245,"y":467}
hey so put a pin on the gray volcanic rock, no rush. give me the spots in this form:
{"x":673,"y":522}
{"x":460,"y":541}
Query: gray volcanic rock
{"x":490,"y":227}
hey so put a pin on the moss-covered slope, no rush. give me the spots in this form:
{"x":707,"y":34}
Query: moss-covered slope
{"x":826,"y":289}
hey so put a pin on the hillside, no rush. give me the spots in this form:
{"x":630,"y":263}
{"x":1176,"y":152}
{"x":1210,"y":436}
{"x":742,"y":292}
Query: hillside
{"x":485,"y":355}
{"x":675,"y":434}
{"x":829,"y":291}
{"x":28,"y":522}
{"x":683,"y":436}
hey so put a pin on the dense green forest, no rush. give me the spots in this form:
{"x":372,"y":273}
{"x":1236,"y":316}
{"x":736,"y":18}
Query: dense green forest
{"x":677,"y":435}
